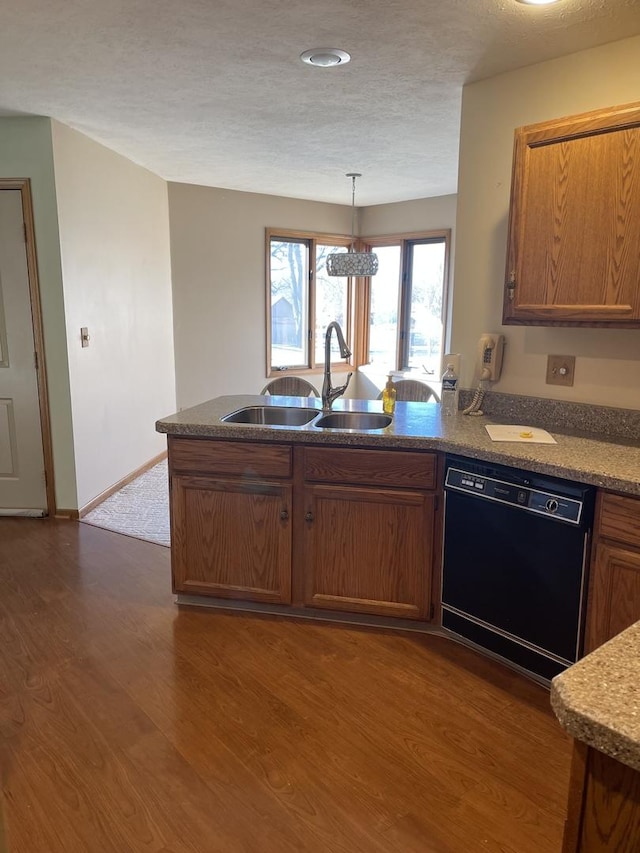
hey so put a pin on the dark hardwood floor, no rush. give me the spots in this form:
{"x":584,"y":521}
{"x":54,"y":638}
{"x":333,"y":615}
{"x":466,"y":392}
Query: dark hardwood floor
{"x":129,"y":724}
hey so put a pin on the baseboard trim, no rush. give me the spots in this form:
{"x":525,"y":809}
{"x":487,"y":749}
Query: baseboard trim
{"x":67,"y":514}
{"x":116,"y":487}
{"x":23,"y":513}
{"x":313,"y":614}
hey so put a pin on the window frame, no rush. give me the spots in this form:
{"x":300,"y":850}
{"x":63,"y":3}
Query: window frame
{"x":406,"y":242}
{"x":357,"y":331}
{"x":311,"y":240}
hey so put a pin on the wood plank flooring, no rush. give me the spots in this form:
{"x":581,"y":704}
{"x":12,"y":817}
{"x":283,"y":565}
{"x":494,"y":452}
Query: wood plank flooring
{"x":129,"y":724}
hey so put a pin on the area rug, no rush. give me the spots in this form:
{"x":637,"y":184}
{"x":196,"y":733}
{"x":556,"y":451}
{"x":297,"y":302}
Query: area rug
{"x":139,"y":509}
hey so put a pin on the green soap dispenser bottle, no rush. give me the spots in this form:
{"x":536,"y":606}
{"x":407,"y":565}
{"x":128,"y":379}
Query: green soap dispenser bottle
{"x":389,"y":397}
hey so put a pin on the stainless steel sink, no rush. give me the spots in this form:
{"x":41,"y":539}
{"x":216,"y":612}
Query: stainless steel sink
{"x":353,"y":420}
{"x":271,"y":415}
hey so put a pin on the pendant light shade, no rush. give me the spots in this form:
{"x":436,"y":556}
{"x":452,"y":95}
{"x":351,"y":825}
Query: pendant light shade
{"x":350,"y":263}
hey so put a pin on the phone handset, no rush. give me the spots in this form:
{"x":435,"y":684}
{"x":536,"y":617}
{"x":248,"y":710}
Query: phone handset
{"x":490,"y":356}
{"x":490,"y":352}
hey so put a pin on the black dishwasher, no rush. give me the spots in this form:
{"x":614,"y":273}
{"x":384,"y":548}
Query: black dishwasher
{"x":515,"y":559}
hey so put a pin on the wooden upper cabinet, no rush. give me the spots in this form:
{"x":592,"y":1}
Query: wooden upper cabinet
{"x":574,"y":224}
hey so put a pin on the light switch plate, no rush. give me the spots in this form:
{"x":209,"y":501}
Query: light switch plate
{"x":561,"y":369}
{"x":84,"y":336}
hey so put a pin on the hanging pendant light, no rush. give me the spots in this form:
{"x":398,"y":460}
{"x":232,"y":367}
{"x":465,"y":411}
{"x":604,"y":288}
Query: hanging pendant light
{"x":351,"y":263}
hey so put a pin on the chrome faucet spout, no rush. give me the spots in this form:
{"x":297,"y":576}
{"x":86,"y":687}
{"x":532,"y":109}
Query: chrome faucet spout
{"x":329,"y":394}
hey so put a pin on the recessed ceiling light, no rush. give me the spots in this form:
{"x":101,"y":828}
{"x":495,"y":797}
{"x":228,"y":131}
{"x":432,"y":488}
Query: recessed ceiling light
{"x":325,"y":57}
{"x":537,"y":2}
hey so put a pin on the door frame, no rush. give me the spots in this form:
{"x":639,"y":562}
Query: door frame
{"x":24,"y":186}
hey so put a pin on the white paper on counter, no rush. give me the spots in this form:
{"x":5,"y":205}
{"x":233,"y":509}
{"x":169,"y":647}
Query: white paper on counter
{"x":518,"y":432}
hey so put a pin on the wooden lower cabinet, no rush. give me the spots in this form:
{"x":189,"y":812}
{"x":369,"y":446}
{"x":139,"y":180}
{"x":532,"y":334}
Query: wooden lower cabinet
{"x":604,"y":805}
{"x":231,"y":507}
{"x":231,"y":538}
{"x":369,"y":531}
{"x":603,"y":814}
{"x":369,"y":550}
{"x":615,"y":593}
{"x":345,"y":529}
{"x":614,"y":596}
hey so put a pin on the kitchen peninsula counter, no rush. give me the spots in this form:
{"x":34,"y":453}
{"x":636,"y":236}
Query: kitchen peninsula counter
{"x":608,"y":462}
{"x":597,"y":701}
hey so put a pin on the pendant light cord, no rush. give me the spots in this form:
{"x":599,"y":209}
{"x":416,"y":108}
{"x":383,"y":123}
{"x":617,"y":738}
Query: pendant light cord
{"x":353,"y":210}
{"x":353,"y":176}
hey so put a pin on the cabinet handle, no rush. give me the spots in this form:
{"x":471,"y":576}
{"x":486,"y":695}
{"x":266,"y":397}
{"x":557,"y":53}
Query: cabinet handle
{"x":308,"y":516}
{"x":511,"y":287}
{"x":284,"y":514}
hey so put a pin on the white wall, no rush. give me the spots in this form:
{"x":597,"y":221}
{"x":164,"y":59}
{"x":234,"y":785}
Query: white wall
{"x":114,"y":238}
{"x":607,"y":361}
{"x":25,"y":152}
{"x":404,"y":217}
{"x":218,"y":262}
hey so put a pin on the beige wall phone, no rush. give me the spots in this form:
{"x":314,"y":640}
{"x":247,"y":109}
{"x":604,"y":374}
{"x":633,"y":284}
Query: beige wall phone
{"x":490,"y":352}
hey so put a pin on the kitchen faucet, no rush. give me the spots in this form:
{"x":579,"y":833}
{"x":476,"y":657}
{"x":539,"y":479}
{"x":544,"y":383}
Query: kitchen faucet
{"x":329,"y":394}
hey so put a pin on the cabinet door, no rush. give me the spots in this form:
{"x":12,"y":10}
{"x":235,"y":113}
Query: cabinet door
{"x":615,"y":593}
{"x":231,"y":538}
{"x":604,"y":804}
{"x":369,"y":550}
{"x":574,"y":222}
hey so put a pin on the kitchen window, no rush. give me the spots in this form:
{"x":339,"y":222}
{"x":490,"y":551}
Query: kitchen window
{"x":407,"y":303}
{"x":302,"y":300}
{"x":396,"y":320}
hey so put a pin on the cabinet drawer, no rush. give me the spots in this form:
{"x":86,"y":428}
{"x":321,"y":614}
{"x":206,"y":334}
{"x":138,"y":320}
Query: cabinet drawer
{"x":619,"y":518}
{"x":239,"y":458}
{"x":371,"y":467}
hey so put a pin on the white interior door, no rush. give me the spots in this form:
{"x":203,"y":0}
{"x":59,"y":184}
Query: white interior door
{"x":22,"y":480}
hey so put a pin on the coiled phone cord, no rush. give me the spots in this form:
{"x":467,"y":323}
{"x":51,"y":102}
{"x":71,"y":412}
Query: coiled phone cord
{"x":478,"y":397}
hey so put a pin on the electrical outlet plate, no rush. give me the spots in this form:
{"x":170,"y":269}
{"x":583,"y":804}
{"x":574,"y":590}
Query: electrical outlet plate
{"x":561,"y":369}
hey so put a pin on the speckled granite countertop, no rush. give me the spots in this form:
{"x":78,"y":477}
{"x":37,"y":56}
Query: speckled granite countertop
{"x":611,"y":463}
{"x":597,"y":700}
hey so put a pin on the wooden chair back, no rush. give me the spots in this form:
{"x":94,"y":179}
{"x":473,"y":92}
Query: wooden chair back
{"x":414,"y":389}
{"x":290,"y":386}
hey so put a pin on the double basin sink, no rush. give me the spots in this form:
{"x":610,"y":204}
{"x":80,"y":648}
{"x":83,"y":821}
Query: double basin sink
{"x":294,"y":416}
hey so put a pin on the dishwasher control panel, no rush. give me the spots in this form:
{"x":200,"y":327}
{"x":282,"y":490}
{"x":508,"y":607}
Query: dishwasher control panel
{"x":535,"y":500}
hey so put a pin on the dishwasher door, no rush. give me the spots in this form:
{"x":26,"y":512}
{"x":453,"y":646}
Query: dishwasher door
{"x":514,"y":578}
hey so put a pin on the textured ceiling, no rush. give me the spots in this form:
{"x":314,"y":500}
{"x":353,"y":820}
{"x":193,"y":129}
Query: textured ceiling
{"x":213,"y":91}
